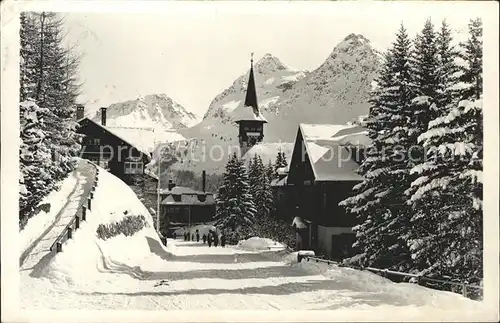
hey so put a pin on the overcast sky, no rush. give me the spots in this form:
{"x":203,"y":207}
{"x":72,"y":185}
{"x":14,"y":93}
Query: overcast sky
{"x":193,"y":55}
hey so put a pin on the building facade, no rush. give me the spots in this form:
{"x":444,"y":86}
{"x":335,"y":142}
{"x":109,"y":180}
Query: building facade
{"x":123,"y":151}
{"x":183,"y":206}
{"x":322,"y":172}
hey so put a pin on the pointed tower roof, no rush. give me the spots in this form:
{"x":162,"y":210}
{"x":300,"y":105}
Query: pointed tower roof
{"x":251,"y":99}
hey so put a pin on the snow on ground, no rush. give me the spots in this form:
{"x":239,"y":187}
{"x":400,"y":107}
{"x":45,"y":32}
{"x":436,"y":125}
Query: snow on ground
{"x":139,"y":273}
{"x":41,"y":221}
{"x":37,"y":253}
{"x":257,"y":243}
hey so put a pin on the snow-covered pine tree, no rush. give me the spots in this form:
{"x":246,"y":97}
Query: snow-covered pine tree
{"x":56,"y":89}
{"x":430,"y":201}
{"x":28,"y":40}
{"x":280,"y":160}
{"x":236,"y":208}
{"x":271,"y":171}
{"x":34,"y":154}
{"x":425,"y":65}
{"x":48,"y":76}
{"x":450,"y":184}
{"x":379,"y":201}
{"x":260,"y":187}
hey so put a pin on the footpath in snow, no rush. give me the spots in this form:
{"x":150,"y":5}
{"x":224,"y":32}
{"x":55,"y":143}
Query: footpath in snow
{"x":42,"y":230}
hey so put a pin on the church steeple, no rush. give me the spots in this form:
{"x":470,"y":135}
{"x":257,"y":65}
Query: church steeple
{"x":251,"y":97}
{"x":249,"y":119}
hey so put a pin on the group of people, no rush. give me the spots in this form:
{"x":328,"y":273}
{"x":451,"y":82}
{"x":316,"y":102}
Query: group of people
{"x":211,"y":238}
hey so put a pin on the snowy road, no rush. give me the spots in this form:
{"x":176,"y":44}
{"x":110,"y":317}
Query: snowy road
{"x":203,"y":278}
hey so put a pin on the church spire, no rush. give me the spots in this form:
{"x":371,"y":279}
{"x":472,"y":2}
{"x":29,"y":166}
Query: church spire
{"x":251,"y":97}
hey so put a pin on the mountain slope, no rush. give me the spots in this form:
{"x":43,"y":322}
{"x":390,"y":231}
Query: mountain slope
{"x":336,"y":92}
{"x":153,"y":111}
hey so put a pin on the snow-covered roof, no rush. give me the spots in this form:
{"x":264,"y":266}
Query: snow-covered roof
{"x":282,"y":170}
{"x":249,"y":113}
{"x":182,"y":190}
{"x":143,"y":139}
{"x":326,"y":148}
{"x":189,"y":199}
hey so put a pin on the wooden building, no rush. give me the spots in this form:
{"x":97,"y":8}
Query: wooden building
{"x":123,"y":151}
{"x":322,"y":172}
{"x":181,"y":206}
{"x":250,"y":121}
{"x":284,"y":196}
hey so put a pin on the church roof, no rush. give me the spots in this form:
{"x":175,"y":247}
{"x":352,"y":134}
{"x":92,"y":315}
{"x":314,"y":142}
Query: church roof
{"x":251,"y":106}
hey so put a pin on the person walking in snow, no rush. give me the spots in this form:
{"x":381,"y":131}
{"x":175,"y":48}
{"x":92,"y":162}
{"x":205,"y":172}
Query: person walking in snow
{"x":192,"y":237}
{"x":175,"y":235}
{"x":185,"y":236}
{"x":216,"y":239}
{"x":209,"y":238}
{"x":204,"y":238}
{"x":197,"y":236}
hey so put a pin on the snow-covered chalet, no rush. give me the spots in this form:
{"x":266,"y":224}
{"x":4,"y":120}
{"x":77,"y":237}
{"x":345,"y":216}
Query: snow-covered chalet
{"x":123,"y":151}
{"x":322,"y":172}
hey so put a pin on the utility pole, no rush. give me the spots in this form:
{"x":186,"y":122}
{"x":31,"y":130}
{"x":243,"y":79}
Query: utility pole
{"x":158,"y":198}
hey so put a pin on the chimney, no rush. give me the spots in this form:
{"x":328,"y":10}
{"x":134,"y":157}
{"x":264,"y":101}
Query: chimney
{"x":103,"y":116}
{"x":171,"y":185}
{"x":80,"y":111}
{"x":203,"y":180}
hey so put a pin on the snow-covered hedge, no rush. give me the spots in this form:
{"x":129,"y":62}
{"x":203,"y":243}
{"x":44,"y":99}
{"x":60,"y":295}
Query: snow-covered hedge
{"x":128,"y":226}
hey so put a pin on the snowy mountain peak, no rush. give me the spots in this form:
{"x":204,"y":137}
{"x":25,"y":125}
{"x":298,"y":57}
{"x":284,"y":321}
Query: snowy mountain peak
{"x":269,"y":63}
{"x":153,"y":110}
{"x":356,"y":38}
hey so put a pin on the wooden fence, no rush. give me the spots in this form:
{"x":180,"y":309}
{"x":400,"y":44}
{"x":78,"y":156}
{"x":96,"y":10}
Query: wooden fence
{"x":80,"y":215}
{"x":415,"y":278}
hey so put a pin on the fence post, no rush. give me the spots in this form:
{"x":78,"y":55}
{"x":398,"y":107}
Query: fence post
{"x":77,"y":222}
{"x":91,"y":195}
{"x":464,"y":289}
{"x":58,"y":247}
{"x":70,"y":233}
{"x":93,"y":188}
{"x":84,"y":212}
{"x":89,"y":204}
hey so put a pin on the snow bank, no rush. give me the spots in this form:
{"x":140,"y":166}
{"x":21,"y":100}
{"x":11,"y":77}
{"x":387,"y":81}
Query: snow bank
{"x":86,"y":260}
{"x":40,"y":222}
{"x":367,"y":282}
{"x":257,"y":243}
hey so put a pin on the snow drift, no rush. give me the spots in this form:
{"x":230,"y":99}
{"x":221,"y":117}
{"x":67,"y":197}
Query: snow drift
{"x":257,"y":243}
{"x":86,"y":259}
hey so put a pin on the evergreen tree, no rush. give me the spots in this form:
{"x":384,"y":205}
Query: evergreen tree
{"x":271,"y":171}
{"x":34,"y":154}
{"x":431,"y":206}
{"x":447,"y":195}
{"x":260,"y":187}
{"x":425,"y":73}
{"x":280,"y":160}
{"x":236,"y":209}
{"x":48,"y":78}
{"x":28,"y":40}
{"x":379,"y":201}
